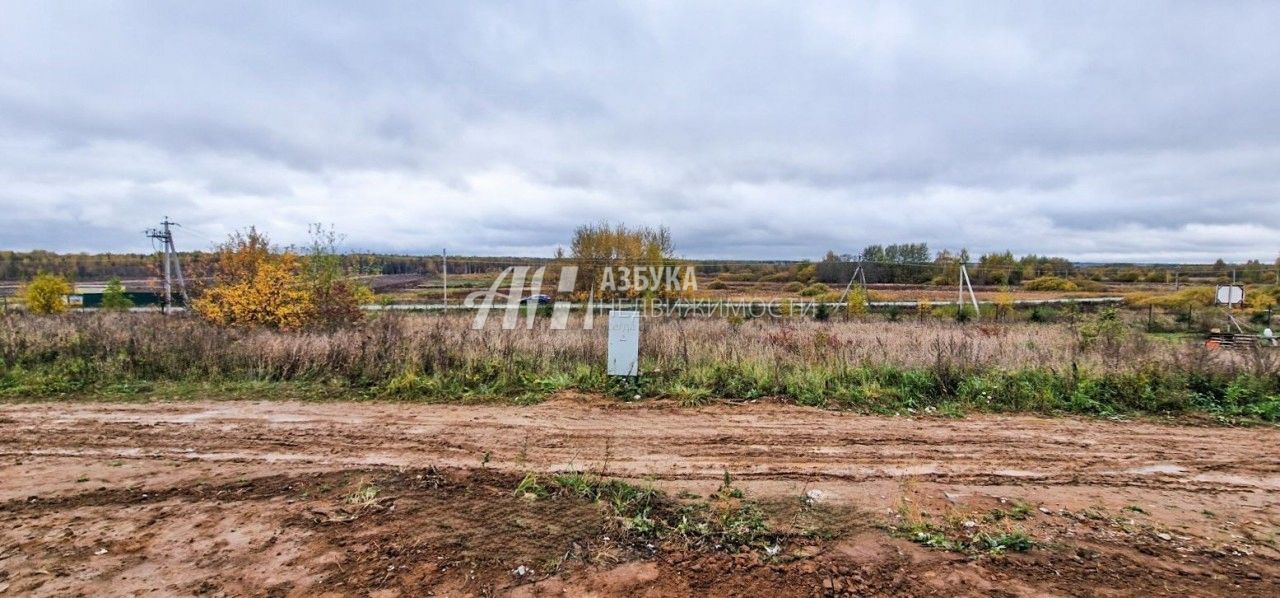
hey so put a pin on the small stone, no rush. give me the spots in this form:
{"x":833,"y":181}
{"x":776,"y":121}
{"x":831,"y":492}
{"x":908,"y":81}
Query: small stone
{"x":1164,"y":536}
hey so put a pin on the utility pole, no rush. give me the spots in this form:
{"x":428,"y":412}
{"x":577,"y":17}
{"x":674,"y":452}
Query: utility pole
{"x":171,"y":263}
{"x":964,"y":281}
{"x":858,"y":276}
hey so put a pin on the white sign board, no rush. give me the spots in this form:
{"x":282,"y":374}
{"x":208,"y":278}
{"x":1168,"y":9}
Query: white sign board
{"x":1230,"y":295}
{"x":624,"y":343}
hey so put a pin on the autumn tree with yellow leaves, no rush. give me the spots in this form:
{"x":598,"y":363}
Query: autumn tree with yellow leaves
{"x":602,"y":251}
{"x":46,"y":294}
{"x":257,"y":286}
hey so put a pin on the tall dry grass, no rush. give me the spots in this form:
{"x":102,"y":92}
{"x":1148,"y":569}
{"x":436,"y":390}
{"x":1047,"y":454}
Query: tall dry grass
{"x":391,"y":343}
{"x":442,"y":356}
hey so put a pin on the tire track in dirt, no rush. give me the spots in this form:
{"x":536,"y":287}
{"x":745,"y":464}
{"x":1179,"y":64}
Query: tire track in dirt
{"x":146,"y":478}
{"x":757,"y":442}
{"x":760,"y":438}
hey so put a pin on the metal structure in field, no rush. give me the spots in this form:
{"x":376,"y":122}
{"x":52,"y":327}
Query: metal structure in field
{"x":172,"y":264}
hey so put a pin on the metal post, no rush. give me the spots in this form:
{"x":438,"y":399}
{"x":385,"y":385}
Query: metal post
{"x":1230,"y":293}
{"x":165,"y":236}
{"x":168,"y":270}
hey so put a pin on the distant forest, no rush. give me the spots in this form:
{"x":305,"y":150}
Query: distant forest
{"x":19,"y":266}
{"x":909,"y":263}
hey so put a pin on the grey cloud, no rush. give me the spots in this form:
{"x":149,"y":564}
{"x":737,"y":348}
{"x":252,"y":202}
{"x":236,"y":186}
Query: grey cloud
{"x":754,"y":130}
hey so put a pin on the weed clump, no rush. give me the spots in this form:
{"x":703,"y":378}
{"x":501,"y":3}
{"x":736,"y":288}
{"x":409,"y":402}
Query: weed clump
{"x":989,"y":534}
{"x":727,"y":521}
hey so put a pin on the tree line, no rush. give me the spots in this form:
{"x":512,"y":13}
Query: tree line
{"x":20,"y":266}
{"x":904,"y":263}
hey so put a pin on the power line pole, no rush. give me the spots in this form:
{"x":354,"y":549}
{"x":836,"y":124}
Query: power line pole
{"x":860,"y":277}
{"x":171,"y":263}
{"x":964,"y":281}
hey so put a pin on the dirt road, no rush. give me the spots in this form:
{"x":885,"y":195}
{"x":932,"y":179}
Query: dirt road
{"x":220,"y":498}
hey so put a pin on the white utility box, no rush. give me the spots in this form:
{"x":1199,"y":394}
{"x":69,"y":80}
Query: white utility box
{"x":624,"y":343}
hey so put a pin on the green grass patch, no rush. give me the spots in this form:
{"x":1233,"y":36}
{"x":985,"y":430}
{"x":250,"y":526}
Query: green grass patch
{"x":880,"y":389}
{"x":726,"y":521}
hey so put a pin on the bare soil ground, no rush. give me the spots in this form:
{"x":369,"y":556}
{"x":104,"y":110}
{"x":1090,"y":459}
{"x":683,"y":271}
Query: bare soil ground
{"x":236,"y":498}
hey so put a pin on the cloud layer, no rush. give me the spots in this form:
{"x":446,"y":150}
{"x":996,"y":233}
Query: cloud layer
{"x":1098,"y":131}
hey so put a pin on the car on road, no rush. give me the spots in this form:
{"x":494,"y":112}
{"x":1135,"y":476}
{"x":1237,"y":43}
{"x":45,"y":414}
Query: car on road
{"x":538,"y":299}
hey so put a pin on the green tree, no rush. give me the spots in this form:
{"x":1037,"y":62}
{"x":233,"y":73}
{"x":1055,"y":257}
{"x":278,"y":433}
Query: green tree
{"x":46,"y":294}
{"x":997,"y":268}
{"x":335,"y":299}
{"x":113,"y":297}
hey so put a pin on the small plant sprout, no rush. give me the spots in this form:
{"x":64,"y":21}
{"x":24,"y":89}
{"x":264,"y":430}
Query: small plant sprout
{"x":530,"y":488}
{"x":365,"y":495}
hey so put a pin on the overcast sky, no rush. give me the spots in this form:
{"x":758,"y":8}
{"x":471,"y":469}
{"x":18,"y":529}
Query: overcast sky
{"x":1097,"y":131}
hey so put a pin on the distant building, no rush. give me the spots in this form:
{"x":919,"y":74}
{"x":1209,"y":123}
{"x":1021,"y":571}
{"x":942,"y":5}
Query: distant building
{"x":90,"y":295}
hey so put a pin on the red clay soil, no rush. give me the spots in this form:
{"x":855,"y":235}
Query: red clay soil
{"x":236,"y":498}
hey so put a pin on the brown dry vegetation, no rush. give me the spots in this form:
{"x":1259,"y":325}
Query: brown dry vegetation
{"x":1097,"y":365}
